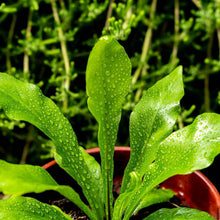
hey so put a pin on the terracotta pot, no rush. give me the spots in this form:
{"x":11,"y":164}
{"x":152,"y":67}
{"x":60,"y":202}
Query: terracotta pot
{"x":194,"y":190}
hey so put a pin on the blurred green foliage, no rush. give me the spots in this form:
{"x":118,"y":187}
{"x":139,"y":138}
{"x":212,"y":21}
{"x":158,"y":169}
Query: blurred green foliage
{"x":47,"y":42}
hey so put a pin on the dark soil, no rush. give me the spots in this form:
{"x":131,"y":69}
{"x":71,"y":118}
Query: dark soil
{"x":69,"y":208}
{"x":75,"y":213}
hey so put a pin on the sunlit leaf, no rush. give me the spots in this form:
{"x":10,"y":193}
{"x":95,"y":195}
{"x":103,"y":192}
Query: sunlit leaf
{"x":184,"y":151}
{"x":179,"y":214}
{"x":24,"y":208}
{"x":107,"y":83}
{"x":155,"y":196}
{"x":24,"y":101}
{"x":21,"y":179}
{"x":152,"y":121}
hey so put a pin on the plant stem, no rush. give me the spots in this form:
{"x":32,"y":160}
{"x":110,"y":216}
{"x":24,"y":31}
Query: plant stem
{"x":218,"y":28}
{"x":108,"y":213}
{"x":109,"y":14}
{"x":141,"y":69}
{"x":66,"y":83}
{"x":176,"y":30}
{"x":28,"y":35}
{"x":207,"y":68}
{"x":62,"y":4}
{"x":108,"y":185}
{"x":206,"y":80}
{"x":218,"y":35}
{"x":27,"y":145}
{"x":10,"y":36}
{"x":146,"y":44}
{"x":175,"y":47}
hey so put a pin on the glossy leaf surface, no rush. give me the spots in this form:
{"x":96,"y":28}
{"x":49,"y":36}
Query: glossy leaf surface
{"x":155,"y":196}
{"x":179,"y":214}
{"x":107,"y":83}
{"x":123,"y":200}
{"x":24,"y":101}
{"x":24,"y":208}
{"x":20,"y":179}
{"x":152,"y":121}
{"x":184,"y":151}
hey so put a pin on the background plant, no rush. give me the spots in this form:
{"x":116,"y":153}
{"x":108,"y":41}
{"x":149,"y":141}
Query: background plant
{"x":48,"y":42}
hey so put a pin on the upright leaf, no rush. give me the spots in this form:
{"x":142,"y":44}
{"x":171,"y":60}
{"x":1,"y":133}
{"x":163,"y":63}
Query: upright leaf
{"x":184,"y":151}
{"x":20,"y":179}
{"x":152,"y":121}
{"x":123,"y":200}
{"x":24,"y":101}
{"x":107,"y":83}
{"x":24,"y":208}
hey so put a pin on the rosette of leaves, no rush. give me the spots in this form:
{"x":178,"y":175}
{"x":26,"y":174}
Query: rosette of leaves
{"x":156,"y":152}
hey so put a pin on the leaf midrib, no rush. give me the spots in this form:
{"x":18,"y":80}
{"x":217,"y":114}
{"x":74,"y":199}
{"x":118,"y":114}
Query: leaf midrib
{"x":151,"y":128}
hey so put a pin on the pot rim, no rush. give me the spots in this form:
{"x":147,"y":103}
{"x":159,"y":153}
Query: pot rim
{"x":199,"y":174}
{"x":89,"y":151}
{"x":127,"y":149}
{"x":210,"y":186}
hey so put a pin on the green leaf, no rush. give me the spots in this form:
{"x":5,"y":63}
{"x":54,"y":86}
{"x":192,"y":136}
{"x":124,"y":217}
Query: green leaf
{"x":20,"y":179}
{"x":152,"y":121}
{"x":24,"y":208}
{"x":184,"y":151}
{"x":123,"y":200}
{"x":24,"y":101}
{"x":107,"y":83}
{"x":155,"y":196}
{"x":179,"y":214}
